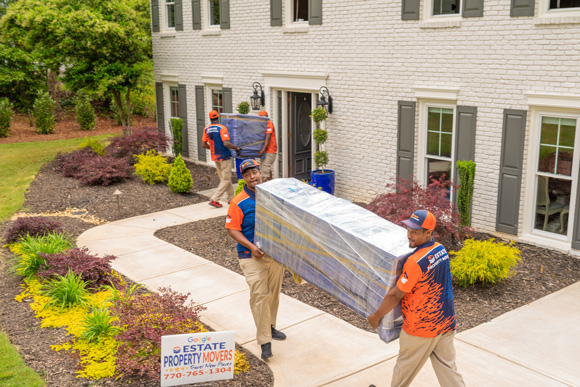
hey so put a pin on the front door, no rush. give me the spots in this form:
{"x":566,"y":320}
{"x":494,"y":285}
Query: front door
{"x":299,"y":135}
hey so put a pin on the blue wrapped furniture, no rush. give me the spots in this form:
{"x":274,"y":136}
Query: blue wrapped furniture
{"x":245,"y":129}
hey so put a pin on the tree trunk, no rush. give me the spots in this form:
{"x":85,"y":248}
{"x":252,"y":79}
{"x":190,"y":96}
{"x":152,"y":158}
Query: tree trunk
{"x":128,"y":103}
{"x":119,"y":104}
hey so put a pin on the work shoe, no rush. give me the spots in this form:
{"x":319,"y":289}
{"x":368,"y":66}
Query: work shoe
{"x":215,"y":204}
{"x":277,"y":335}
{"x":266,"y":350}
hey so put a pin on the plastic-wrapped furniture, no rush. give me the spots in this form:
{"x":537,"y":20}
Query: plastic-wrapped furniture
{"x":349,"y":252}
{"x":245,"y":129}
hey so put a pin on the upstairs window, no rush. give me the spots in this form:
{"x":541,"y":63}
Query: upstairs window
{"x":170,"y":12}
{"x":214,"y":12}
{"x":447,"y":7}
{"x":300,"y":10}
{"x":563,"y":4}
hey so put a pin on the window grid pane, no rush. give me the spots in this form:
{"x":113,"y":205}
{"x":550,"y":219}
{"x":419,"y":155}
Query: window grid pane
{"x":439,"y":132}
{"x":214,"y":12}
{"x":300,"y":10}
{"x":174,"y":102}
{"x":170,"y":6}
{"x":217,"y":101}
{"x":446,"y":7}
{"x":557,"y":136}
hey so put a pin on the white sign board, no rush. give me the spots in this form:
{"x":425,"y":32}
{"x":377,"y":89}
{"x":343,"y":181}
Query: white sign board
{"x":197,"y":357}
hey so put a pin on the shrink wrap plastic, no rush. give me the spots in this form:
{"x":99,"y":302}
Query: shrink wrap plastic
{"x":245,"y":129}
{"x":343,"y":249}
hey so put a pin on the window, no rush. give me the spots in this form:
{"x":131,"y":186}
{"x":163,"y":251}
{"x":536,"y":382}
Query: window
{"x":214,"y":12}
{"x":170,"y":12}
{"x":174,"y":100}
{"x":562,"y":4}
{"x":554,"y":173}
{"x":446,"y":7}
{"x":300,"y":10}
{"x":217,"y":101}
{"x":439,"y":144}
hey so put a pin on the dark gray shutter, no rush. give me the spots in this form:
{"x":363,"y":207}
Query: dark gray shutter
{"x":227,"y":101}
{"x":510,"y":171}
{"x":160,"y":107}
{"x":155,"y":15}
{"x":200,"y":119}
{"x":410,"y":10}
{"x":472,"y":8}
{"x":225,"y":14}
{"x":315,"y":12}
{"x":522,"y":7}
{"x":178,"y":15}
{"x":576,"y":226}
{"x":465,"y":126}
{"x":196,"y":14}
{"x":183,"y":117}
{"x":405,"y":139}
{"x":275,"y":13}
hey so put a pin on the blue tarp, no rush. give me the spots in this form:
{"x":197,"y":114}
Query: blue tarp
{"x":245,"y":129}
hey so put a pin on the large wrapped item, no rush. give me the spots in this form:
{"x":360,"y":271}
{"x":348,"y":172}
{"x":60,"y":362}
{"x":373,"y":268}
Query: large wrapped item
{"x":349,"y":252}
{"x":245,"y":129}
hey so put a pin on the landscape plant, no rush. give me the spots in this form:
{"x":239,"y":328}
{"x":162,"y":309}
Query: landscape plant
{"x":152,"y":167}
{"x":466,"y":173}
{"x":320,"y":136}
{"x":95,"y":145}
{"x":485,"y":262}
{"x":84,"y":112}
{"x":240,"y":186}
{"x":180,"y":180}
{"x":98,"y":324}
{"x":66,"y":291}
{"x":104,"y":170}
{"x":140,"y":141}
{"x":32,"y":226}
{"x":43,"y":112}
{"x":6,"y":114}
{"x":31,"y":249}
{"x":243,"y":107}
{"x":70,"y":163}
{"x":176,"y":126}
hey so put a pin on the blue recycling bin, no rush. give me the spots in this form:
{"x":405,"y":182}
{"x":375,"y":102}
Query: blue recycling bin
{"x":324,"y":181}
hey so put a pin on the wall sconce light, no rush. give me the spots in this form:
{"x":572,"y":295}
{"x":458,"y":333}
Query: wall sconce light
{"x":325,"y":100}
{"x":258,"y":99}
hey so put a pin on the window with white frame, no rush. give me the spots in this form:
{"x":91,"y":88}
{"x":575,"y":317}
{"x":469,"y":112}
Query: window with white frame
{"x":170,"y":13}
{"x":564,"y":4}
{"x":213,"y":12}
{"x":299,"y":10}
{"x":217,"y":101}
{"x":446,"y":7}
{"x":439,"y":144}
{"x":554,"y":177}
{"x":174,"y":101}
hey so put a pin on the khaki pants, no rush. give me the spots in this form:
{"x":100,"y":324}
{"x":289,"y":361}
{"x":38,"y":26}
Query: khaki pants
{"x":414,"y":352}
{"x":224,"y":171}
{"x":266,"y":164}
{"x":264,"y":277}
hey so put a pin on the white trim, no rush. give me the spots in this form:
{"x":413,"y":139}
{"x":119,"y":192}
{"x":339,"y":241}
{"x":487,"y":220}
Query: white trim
{"x":212,"y":79}
{"x":428,"y":14}
{"x":170,"y":78}
{"x":446,"y":93}
{"x":206,"y":9}
{"x":295,"y":81}
{"x":289,"y":19}
{"x":553,"y":100}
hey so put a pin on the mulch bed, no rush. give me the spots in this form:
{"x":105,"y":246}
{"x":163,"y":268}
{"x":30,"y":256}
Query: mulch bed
{"x":540,"y":273}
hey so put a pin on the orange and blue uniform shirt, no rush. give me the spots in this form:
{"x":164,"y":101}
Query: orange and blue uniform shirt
{"x":428,"y":309}
{"x":242,"y":217}
{"x":215,"y":135}
{"x":272,"y":146}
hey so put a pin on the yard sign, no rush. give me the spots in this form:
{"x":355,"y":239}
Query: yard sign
{"x":197,"y":357}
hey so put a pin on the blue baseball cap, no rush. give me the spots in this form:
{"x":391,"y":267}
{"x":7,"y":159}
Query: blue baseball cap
{"x":421,"y":219}
{"x":248,"y":164}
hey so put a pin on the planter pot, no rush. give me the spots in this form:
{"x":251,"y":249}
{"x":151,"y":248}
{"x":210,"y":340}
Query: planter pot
{"x":238,"y":162}
{"x":325,"y":180}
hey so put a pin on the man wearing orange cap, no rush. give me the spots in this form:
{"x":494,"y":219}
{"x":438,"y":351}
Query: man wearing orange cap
{"x":270,"y":148}
{"x":217,"y":139}
{"x":426,"y":296}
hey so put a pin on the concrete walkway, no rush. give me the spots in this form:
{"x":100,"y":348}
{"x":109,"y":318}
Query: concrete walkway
{"x":535,"y":345}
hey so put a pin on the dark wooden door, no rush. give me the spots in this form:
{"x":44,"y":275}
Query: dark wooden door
{"x":300,"y":135}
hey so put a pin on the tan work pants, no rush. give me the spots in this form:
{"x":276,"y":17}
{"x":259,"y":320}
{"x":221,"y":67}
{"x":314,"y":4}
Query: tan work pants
{"x":224,"y":171}
{"x":266,"y":164}
{"x":414,"y":352}
{"x":264,"y":277}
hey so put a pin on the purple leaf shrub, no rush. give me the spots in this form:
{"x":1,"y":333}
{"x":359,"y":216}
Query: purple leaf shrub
{"x":33,"y":226}
{"x":138,"y":142}
{"x":104,"y":170}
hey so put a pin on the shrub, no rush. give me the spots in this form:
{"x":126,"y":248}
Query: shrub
{"x":139,"y":142}
{"x":84,"y":112}
{"x":240,"y":187}
{"x":98,"y":324}
{"x":243,"y":107}
{"x":152,"y":167}
{"x":180,"y":180}
{"x":485,"y":262}
{"x":320,"y":136}
{"x":6,"y":114}
{"x":43,"y":112}
{"x":70,"y":163}
{"x":176,"y":126}
{"x":66,"y":291}
{"x":466,"y":173}
{"x":144,"y":319}
{"x":33,"y":226}
{"x":93,"y":144}
{"x":32,"y":250}
{"x":92,"y":269}
{"x":407,"y":196}
{"x":104,"y":170}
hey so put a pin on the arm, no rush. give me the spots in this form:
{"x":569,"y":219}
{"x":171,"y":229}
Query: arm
{"x":204,"y":144}
{"x":229,"y":145}
{"x":391,"y":300}
{"x":239,"y":237}
{"x":266,"y":143}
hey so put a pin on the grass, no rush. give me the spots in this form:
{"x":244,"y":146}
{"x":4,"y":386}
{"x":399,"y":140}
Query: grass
{"x":20,"y":163}
{"x":13,"y":371}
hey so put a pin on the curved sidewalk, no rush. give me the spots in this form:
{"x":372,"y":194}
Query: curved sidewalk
{"x":535,"y":345}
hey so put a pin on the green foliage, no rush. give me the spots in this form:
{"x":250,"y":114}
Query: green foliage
{"x":318,"y":115}
{"x":94,"y":144}
{"x":176,"y":126}
{"x":43,"y":112}
{"x":116,"y":115}
{"x":6,"y":114}
{"x":143,"y":94}
{"x":466,"y":172}
{"x":13,"y":370}
{"x":32,"y":250}
{"x":243,"y":107}
{"x":485,"y":262}
{"x":98,"y":324}
{"x":321,"y":159}
{"x":180,"y":180}
{"x":84,"y":112}
{"x":320,"y":135}
{"x":152,"y":167}
{"x":240,"y":187}
{"x":66,"y":291}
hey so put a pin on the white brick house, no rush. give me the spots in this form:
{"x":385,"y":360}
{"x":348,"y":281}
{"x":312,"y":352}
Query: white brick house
{"x":416,"y":86}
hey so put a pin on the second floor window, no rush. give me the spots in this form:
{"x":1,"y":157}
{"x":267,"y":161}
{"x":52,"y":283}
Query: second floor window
{"x":562,"y":4}
{"x":446,"y":7}
{"x":170,"y":12}
{"x":214,"y":12}
{"x":299,"y":10}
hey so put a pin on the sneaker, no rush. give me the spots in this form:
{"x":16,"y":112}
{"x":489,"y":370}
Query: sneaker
{"x":215,"y":204}
{"x":277,"y":335}
{"x":266,"y":350}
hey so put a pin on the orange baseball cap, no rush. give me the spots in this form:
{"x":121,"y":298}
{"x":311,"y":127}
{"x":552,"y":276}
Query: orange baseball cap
{"x":421,"y":219}
{"x":263,"y":113}
{"x":213,"y":114}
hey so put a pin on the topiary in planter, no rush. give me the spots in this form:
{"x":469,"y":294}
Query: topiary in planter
{"x":43,"y":112}
{"x":180,"y":180}
{"x":320,"y":136}
{"x":6,"y":114}
{"x":243,"y":107}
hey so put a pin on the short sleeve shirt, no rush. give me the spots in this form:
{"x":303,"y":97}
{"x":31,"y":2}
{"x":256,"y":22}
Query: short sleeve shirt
{"x":215,"y":135}
{"x":242,"y":217}
{"x":428,"y":308}
{"x":272,"y":146}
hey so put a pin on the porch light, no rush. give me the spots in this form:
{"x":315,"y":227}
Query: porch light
{"x":325,"y":99}
{"x":258,"y":99}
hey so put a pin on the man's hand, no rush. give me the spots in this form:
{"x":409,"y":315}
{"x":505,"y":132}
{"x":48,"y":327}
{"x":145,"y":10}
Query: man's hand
{"x":261,"y":153}
{"x":374,"y":320}
{"x":256,"y":252}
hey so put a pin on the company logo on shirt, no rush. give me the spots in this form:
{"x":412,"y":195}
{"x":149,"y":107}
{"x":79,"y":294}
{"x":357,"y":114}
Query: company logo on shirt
{"x":228,"y":219}
{"x":404,"y":278}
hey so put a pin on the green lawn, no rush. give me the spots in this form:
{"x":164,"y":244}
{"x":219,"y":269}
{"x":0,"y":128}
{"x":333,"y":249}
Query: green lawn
{"x":19,"y":164}
{"x":13,"y":371}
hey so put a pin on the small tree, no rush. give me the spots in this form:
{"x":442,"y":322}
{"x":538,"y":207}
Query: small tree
{"x":466,"y":172}
{"x":84,"y":112}
{"x":176,"y":126}
{"x":320,"y":136}
{"x":6,"y":114}
{"x":180,"y":180}
{"x":243,"y":107}
{"x":43,"y":112}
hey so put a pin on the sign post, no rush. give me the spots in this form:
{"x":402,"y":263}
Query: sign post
{"x":197,"y":357}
